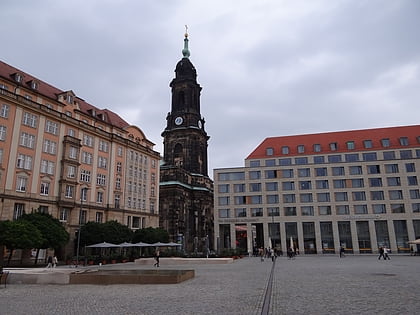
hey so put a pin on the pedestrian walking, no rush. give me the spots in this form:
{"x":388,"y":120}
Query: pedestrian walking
{"x":157,"y":256}
{"x":49,"y":262}
{"x":381,"y":253}
{"x":261,"y":253}
{"x":341,"y":251}
{"x":386,"y":253}
{"x":55,"y":261}
{"x":273,"y":256}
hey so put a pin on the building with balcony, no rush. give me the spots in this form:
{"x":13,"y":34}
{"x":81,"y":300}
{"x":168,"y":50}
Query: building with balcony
{"x":53,"y":145}
{"x":317,"y":192}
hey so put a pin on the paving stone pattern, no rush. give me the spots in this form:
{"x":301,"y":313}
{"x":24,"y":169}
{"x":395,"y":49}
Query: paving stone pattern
{"x":305,"y":285}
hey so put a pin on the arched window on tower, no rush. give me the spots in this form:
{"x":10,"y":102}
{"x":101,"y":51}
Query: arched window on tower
{"x":178,"y":155}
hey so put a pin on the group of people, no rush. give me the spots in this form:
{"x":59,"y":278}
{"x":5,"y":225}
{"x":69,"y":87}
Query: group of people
{"x":267,"y":253}
{"x":52,"y":262}
{"x":384,"y":253}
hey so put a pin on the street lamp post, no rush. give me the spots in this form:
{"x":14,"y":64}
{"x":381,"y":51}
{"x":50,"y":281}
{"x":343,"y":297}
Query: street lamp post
{"x":82,"y":195}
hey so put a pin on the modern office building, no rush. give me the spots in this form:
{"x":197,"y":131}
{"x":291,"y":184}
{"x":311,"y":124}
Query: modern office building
{"x":316,"y":192}
{"x":54,"y":145}
{"x":186,"y":191}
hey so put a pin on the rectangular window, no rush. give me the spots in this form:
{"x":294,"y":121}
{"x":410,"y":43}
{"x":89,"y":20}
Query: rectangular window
{"x":395,"y":194}
{"x":273,"y":211}
{"x":317,"y":148}
{"x":224,"y":188}
{"x":3,"y":131}
{"x":254,"y":175}
{"x":4,"y":111}
{"x":50,"y":147}
{"x":338,"y":171}
{"x":71,"y":171}
{"x":389,"y":155}
{"x":301,"y":148}
{"x":354,"y":157}
{"x":240,"y":212}
{"x":341,"y":196}
{"x":323,"y":197}
{"x":102,"y":162}
{"x":333,"y":146}
{"x":410,"y":167}
{"x":286,"y":161}
{"x":324,"y":210}
{"x":254,"y":187}
{"x":375,"y":182}
{"x":357,"y":183}
{"x":377,"y":195}
{"x":273,"y":186}
{"x":256,"y":212}
{"x":334,"y":158}
{"x":69,"y":191}
{"x":103,"y":146}
{"x":415,"y":207}
{"x":304,"y":172}
{"x":256,"y":200}
{"x":73,"y":152}
{"x":321,"y":171}
{"x":304,"y":185}
{"x":371,"y":156}
{"x":99,"y":218}
{"x":47,"y":167}
{"x":367,"y":144}
{"x":101,"y":180}
{"x":393,"y":181}
{"x":240,"y":200}
{"x":254,"y":163}
{"x":339,"y":183}
{"x":385,"y":143}
{"x":355,"y":170}
{"x":224,"y":213}
{"x":360,"y":209}
{"x":289,"y":211}
{"x":397,"y":208}
{"x":412,"y":180}
{"x":342,"y":209}
{"x":99,"y":197}
{"x":27,"y":140}
{"x":270,"y":162}
{"x":64,"y":213}
{"x":85,"y":176}
{"x":288,"y":173}
{"x":301,"y":161}
{"x":359,"y":195}
{"x":21,"y":183}
{"x":319,"y":159}
{"x":29,"y":120}
{"x":350,"y":145}
{"x":378,"y":208}
{"x":24,"y":161}
{"x":414,"y":194}
{"x":373,"y":169}
{"x":284,"y":150}
{"x":88,"y":141}
{"x":321,"y":184}
{"x":289,"y":198}
{"x":223,"y":201}
{"x":403,"y":141}
{"x":406,"y":154}
{"x":270,"y":174}
{"x":87,"y":158}
{"x":51,"y":127}
{"x":307,"y":210}
{"x":272,"y":199}
{"x":288,"y":185}
{"x":391,"y":168}
{"x":306,"y":197}
{"x":238,"y":188}
{"x":18,"y":210}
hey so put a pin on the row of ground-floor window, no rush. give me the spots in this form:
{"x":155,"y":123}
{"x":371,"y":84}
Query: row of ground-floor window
{"x":316,"y":237}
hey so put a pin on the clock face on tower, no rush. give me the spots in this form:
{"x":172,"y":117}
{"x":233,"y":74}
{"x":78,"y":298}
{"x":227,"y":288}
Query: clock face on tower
{"x":178,"y":121}
{"x":200,"y":124}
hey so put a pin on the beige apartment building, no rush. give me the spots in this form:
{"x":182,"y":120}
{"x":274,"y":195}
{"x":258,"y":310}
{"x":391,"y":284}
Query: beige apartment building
{"x":317,"y":192}
{"x":62,"y":155}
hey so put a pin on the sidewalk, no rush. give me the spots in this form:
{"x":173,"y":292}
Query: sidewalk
{"x":306,"y":285}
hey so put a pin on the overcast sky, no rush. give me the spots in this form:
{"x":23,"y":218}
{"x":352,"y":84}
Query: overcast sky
{"x":267,"y":68}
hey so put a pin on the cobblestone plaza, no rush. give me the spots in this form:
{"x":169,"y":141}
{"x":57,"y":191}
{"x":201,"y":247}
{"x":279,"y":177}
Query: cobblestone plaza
{"x":305,"y":285}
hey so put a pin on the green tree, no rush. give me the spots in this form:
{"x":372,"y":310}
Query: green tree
{"x":111,"y":232}
{"x":53,"y":232}
{"x":19,"y":234}
{"x":151,"y":235}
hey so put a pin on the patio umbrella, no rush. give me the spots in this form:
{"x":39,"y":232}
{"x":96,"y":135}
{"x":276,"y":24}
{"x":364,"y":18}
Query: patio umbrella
{"x":103,"y":245}
{"x":141,"y":244}
{"x":159,"y":244}
{"x":125,"y":244}
{"x":417,"y":241}
{"x":173,"y":244}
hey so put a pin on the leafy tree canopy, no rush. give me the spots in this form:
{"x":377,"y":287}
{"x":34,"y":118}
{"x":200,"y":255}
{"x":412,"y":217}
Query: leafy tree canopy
{"x":20,"y":234}
{"x":151,"y":235}
{"x":52,"y":231}
{"x":111,"y":232}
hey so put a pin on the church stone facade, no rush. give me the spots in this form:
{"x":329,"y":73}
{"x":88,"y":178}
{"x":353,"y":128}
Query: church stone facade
{"x":186,"y":191}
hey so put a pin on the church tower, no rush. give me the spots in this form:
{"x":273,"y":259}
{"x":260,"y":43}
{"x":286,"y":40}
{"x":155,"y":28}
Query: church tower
{"x":186,"y":191}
